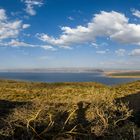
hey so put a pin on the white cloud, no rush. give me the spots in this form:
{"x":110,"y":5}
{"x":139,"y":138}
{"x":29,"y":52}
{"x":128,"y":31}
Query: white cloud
{"x":120,"y":52}
{"x":48,"y":47}
{"x":112,"y":24}
{"x":31,"y":5}
{"x":2,"y":15}
{"x":99,"y":45}
{"x":30,"y":10}
{"x":70,"y":18}
{"x":95,"y":45}
{"x":135,"y":52}
{"x":8,"y":28}
{"x":136,"y":13}
{"x":26,"y":26}
{"x":17,"y":43}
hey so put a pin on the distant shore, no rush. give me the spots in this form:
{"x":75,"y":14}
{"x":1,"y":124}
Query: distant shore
{"x":123,"y":74}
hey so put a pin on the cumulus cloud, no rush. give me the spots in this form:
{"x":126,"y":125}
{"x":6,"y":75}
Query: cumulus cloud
{"x":31,"y":5}
{"x":113,"y":25}
{"x":8,"y":28}
{"x":135,"y":52}
{"x":136,"y":13}
{"x":120,"y":52}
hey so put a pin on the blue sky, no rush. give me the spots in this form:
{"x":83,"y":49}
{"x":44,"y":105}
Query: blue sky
{"x":70,"y":33}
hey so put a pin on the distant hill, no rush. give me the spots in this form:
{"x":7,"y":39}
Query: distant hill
{"x":55,"y":70}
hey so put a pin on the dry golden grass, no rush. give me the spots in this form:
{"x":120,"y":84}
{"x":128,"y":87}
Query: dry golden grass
{"x":71,"y":111}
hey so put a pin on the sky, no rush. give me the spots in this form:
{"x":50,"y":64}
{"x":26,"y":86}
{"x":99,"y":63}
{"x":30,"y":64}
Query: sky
{"x":69,"y":33}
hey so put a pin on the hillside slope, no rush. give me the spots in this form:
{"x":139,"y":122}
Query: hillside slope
{"x":79,"y":111}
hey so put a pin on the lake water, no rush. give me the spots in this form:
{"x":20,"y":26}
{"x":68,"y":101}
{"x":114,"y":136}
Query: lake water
{"x":65,"y":77}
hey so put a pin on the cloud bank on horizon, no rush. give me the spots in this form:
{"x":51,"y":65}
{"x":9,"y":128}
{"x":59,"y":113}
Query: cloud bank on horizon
{"x":105,"y":29}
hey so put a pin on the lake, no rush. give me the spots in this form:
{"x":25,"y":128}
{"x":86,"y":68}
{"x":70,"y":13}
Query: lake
{"x":65,"y":77}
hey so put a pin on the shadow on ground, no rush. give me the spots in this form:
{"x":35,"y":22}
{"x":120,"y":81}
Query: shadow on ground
{"x":81,"y":123}
{"x":133,"y":101}
{"x":7,"y":106}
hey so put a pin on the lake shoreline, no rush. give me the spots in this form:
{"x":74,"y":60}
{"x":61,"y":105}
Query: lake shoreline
{"x":122,"y":74}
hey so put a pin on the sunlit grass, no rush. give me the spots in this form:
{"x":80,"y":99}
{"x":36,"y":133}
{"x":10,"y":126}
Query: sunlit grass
{"x":66,"y":110}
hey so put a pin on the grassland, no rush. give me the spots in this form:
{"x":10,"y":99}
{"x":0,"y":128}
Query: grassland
{"x":69,"y":111}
